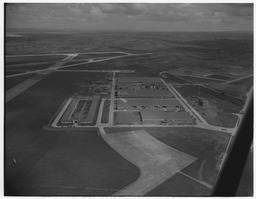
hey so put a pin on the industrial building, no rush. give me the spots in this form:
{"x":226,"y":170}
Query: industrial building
{"x":140,"y":104}
{"x":86,"y":117}
{"x":162,"y":117}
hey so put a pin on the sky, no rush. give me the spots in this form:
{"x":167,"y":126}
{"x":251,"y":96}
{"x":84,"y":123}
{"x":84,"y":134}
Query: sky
{"x":130,"y":16}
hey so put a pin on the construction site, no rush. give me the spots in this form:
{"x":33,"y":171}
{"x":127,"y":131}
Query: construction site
{"x":136,"y":87}
{"x":147,"y":101}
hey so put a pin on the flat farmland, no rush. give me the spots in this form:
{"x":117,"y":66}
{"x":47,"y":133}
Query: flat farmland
{"x":221,"y":77}
{"x":238,"y":91}
{"x":97,"y":55}
{"x":114,"y":64}
{"x":247,"y":83}
{"x":13,"y":72}
{"x":29,"y":67}
{"x":68,"y":162}
{"x":13,"y":81}
{"x":206,"y":145}
{"x":201,"y":80}
{"x":123,"y":63}
{"x":32,"y":59}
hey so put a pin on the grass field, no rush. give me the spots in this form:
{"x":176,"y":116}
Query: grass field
{"x":91,"y":56}
{"x":124,"y":63}
{"x":29,"y":67}
{"x":200,"y":80}
{"x":180,"y":185}
{"x":223,"y":105}
{"x":247,"y":83}
{"x":32,"y":59}
{"x":42,"y":162}
{"x":127,"y":117}
{"x":222,"y":77}
{"x":13,"y":81}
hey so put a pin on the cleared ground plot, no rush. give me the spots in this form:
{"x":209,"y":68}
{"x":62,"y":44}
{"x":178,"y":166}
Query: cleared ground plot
{"x":29,"y":67}
{"x":97,"y":55}
{"x":157,"y":161}
{"x":127,"y":117}
{"x":30,"y":59}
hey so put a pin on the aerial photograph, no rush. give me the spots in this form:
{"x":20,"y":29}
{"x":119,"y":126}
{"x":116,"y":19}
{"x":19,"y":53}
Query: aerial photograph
{"x":127,"y":99}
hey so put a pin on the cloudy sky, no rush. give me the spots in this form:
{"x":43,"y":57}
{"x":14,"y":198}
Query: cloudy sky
{"x":130,"y":16}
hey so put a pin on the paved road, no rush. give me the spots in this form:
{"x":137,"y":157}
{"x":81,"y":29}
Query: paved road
{"x":112,"y":97}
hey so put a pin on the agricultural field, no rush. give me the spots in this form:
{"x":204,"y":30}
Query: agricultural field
{"x":246,"y":83}
{"x":96,"y":55}
{"x":200,"y":80}
{"x":32,"y":59}
{"x":113,"y":64}
{"x":221,"y":77}
{"x":67,"y":162}
{"x":29,"y":67}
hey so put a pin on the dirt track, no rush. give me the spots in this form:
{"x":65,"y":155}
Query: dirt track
{"x":157,"y":162}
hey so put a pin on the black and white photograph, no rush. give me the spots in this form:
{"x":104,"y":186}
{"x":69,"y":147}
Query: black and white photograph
{"x":138,"y":99}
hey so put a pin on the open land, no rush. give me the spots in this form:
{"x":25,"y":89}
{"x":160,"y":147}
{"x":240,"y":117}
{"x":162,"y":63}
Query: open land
{"x":38,"y":153}
{"x":122,"y":84}
{"x":11,"y":82}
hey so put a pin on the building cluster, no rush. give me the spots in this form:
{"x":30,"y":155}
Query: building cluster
{"x":146,"y":100}
{"x":149,"y":87}
{"x":80,"y":111}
